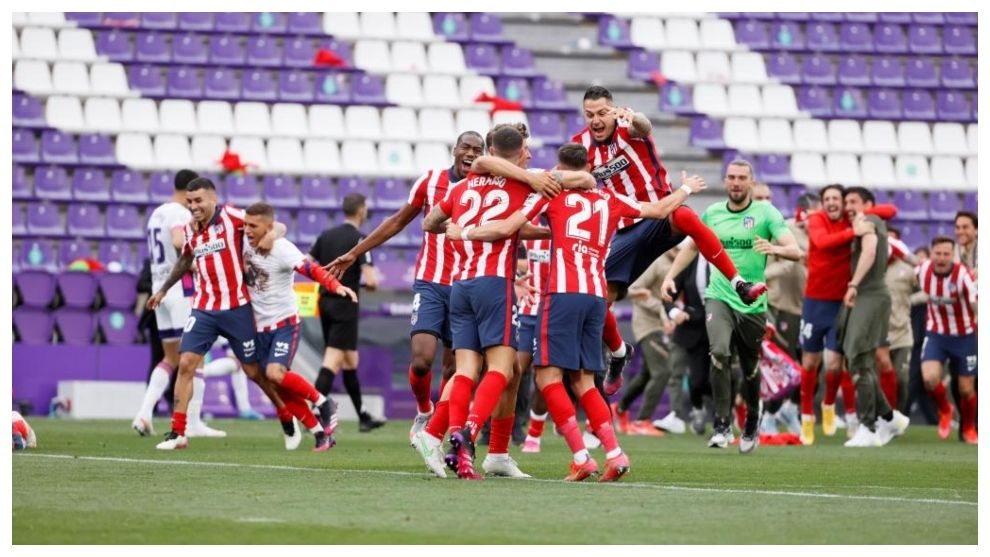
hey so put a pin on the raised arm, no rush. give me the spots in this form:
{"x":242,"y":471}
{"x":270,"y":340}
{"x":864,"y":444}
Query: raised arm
{"x":786,"y":248}
{"x":434,"y":222}
{"x":661,"y":209}
{"x":531,"y":232}
{"x":490,"y":231}
{"x":639,"y":125}
{"x":389,"y":227}
{"x":819,"y":237}
{"x":312,"y":270}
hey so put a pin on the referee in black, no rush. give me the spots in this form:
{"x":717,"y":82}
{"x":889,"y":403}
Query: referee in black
{"x":339,"y":316}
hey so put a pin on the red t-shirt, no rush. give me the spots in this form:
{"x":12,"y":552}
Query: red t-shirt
{"x":830,"y":253}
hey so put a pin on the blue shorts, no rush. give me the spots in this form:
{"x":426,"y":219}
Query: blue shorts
{"x":819,"y":325}
{"x":483,"y":313}
{"x":278,"y":346}
{"x":636,"y":247}
{"x":526,"y":335}
{"x":236,"y":325}
{"x":569,"y":328}
{"x":960,"y":350}
{"x":431,"y":310}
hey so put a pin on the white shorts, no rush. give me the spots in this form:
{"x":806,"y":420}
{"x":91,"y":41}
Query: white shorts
{"x":173,"y":313}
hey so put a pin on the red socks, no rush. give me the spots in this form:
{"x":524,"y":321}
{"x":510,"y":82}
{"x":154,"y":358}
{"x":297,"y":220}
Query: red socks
{"x":443,"y":385}
{"x":485,"y":398}
{"x":501,"y":432}
{"x":283,"y":414}
{"x":831,"y":387}
{"x":562,"y":412}
{"x":610,"y":333}
{"x":437,"y":426}
{"x":809,"y":380}
{"x":421,"y":389}
{"x":848,"y":391}
{"x":967,"y":407}
{"x":297,"y":407}
{"x":888,"y":384}
{"x":600,"y":419}
{"x":179,"y":423}
{"x":536,"y":425}
{"x":687,"y":221}
{"x":941,"y":400}
{"x":460,"y":399}
{"x":295,"y":384}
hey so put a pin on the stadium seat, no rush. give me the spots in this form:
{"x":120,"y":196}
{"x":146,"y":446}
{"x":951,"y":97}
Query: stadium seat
{"x":682,"y":33}
{"x":440,"y":91}
{"x":115,"y":45}
{"x":775,"y":135}
{"x":678,"y":65}
{"x":918,"y":105}
{"x":34,"y":326}
{"x":647,"y":32}
{"x":404,"y":90}
{"x":78,"y":289}
{"x":38,"y":43}
{"x":818,"y":70}
{"x":414,"y":26}
{"x":952,"y":106}
{"x":28,"y":111}
{"x":472,"y":86}
{"x":843,"y":168}
{"x":854,"y":37}
{"x":70,"y":78}
{"x":76,"y":327}
{"x":546,"y":127}
{"x":90,"y":185}
{"x":742,"y":134}
{"x":390,"y":193}
{"x":884,"y":104}
{"x":972,"y":173}
{"x":396,"y":159}
{"x":919,"y":72}
{"x":177,"y":116}
{"x":52,"y":182}
{"x":972,"y":138}
{"x":118,"y":326}
{"x":923,"y":39}
{"x":808,"y":169}
{"x":452,"y":26}
{"x":183,"y":82}
{"x":102,"y":115}
{"x":373,"y":56}
{"x":258,"y":85}
{"x":515,"y":89}
{"x":147,"y":80}
{"x":221,"y":83}
{"x":251,"y":151}
{"x":849,"y":102}
{"x":263,"y":51}
{"x":432,"y":155}
{"x":135,"y":150}
{"x":710,"y":67}
{"x":435,"y":124}
{"x":85,"y":219}
{"x":474,"y":120}
{"x":65,"y":113}
{"x":96,"y":149}
{"x":787,"y":35}
{"x":152,"y":48}
{"x":43,"y":219}
{"x":959,"y":40}
{"x":912,"y":172}
{"x":957,"y":74}
{"x":949,"y":139}
{"x":509,"y":117}
{"x":71,"y":250}
{"x":408,"y":56}
{"x":707,"y":133}
{"x":24,"y":146}
{"x":779,"y":100}
{"x":745,"y":100}
{"x":445,"y":58}
{"x":943,"y":205}
{"x":321,"y":156}
{"x":880,"y":136}
{"x":117,"y":251}
{"x":363,"y":122}
{"x":643,"y":65}
{"x":948,"y":173}
{"x":677,"y":99}
{"x":297,"y":53}
{"x":748,"y":67}
{"x":482,"y":59}
{"x":311,"y":223}
{"x":20,"y":186}
{"x":76,"y":44}
{"x":889,"y":38}
{"x":32,"y":76}
{"x":58,"y":147}
{"x":318,"y":192}
{"x":252,"y":118}
{"x":285,"y":155}
{"x":518,"y":61}
{"x":774,"y":168}
{"x":172,"y":151}
{"x":366,"y":89}
{"x":128,"y":186}
{"x":36,"y":287}
{"x":853,"y":71}
{"x":915,"y":138}
{"x":717,"y":34}
{"x":752,"y":33}
{"x":295,"y":86}
{"x":280,"y":191}
{"x":242,"y":190}
{"x":215,"y":117}
{"x":844,"y":136}
{"x":910,"y":205}
{"x":206,"y":151}
{"x":289,"y":120}
{"x":189,"y":48}
{"x":161,"y":186}
{"x":326,"y":121}
{"x":359,"y":157}
{"x":39,"y":254}
{"x":784,"y":68}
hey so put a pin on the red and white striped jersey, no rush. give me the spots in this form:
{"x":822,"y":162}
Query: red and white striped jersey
{"x":436,"y":254}
{"x":582,"y":223}
{"x":538,"y":256}
{"x":629,"y":166}
{"x":478,"y":199}
{"x":897,"y":250}
{"x":951,"y":299}
{"x":217,"y":252}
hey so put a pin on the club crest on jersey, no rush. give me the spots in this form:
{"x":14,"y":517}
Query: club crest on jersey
{"x":281,"y":348}
{"x":206,"y":248}
{"x":217,"y":228}
{"x":611,"y":168}
{"x":749,"y":223}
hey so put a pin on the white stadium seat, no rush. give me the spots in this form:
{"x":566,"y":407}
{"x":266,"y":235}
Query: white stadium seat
{"x":748,"y":67}
{"x":473,"y":120}
{"x":321,"y":156}
{"x":647,"y":32}
{"x":33,"y":77}
{"x":507,"y":117}
{"x":400,"y":123}
{"x":878,"y":171}
{"x":843,"y":168}
{"x":808,"y":169}
{"x":15,"y":47}
{"x":741,"y":134}
{"x":38,"y":43}
{"x":713,"y":67}
{"x":408,"y":56}
{"x":372,"y":56}
{"x":682,"y":34}
{"x":678,"y":65}
{"x":178,"y":116}
{"x":18,"y":19}
{"x":915,"y":138}
{"x":879,"y":136}
{"x":972,"y":172}
{"x":344,"y":25}
{"x":172,"y":151}
{"x":432,"y":155}
{"x":285,"y":155}
{"x":378,"y":25}
{"x":252,"y":118}
{"x":140,"y":115}
{"x":395,"y":158}
{"x":252,"y":152}
{"x":359,"y":157}
{"x":844,"y":136}
{"x":440,"y":91}
{"x":717,"y":34}
{"x":775,"y":135}
{"x":446,"y":58}
{"x":207,"y":150}
{"x":745,"y":100}
{"x":70,"y":78}
{"x":414,"y":26}
{"x":65,"y":113}
{"x":810,"y":136}
{"x":972,"y":138}
{"x":46,"y":19}
{"x":289,"y":120}
{"x":436,"y":124}
{"x":363,"y":122}
{"x":103,"y":115}
{"x":215,"y":118}
{"x":326,"y":120}
{"x":403,"y":89}
{"x":76,"y":44}
{"x":473,"y":85}
{"x":135,"y":151}
{"x":779,"y":100}
{"x":710,"y":98}
{"x":948,"y":173}
{"x":912,"y":172}
{"x":949,"y":139}
{"x":109,"y":80}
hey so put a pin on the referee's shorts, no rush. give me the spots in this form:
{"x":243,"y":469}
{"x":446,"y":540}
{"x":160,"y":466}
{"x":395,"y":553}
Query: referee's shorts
{"x":339,"y":319}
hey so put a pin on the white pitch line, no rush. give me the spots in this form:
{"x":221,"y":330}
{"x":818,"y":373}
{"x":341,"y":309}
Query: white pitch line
{"x":616,"y":485}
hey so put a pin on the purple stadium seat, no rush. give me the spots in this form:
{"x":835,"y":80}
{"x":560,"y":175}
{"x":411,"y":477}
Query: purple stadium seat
{"x":36,"y":287}
{"x":818,"y":70}
{"x":775,"y":169}
{"x":280,"y":191}
{"x":888,"y":71}
{"x":332,"y":87}
{"x":834,"y":17}
{"x":543,"y":157}
{"x":116,"y":251}
{"x":268,"y":22}
{"x":161,"y":186}
{"x":894,"y":17}
{"x":482,"y":58}
{"x":189,"y":48}
{"x":28,"y":111}
{"x":258,"y":85}
{"x":341,"y":48}
{"x":918,"y":105}
{"x":514,"y":89}
{"x":18,"y":226}
{"x":573,"y":124}
{"x":232,"y":22}
{"x":923,"y":39}
{"x":959,"y":39}
{"x":707,"y":133}
{"x":128,"y":186}
{"x":184,"y":83}
{"x":43,"y":219}
{"x":121,"y":19}
{"x":298,"y":52}
{"x":58,"y":147}
{"x":753,"y":34}
{"x":849,"y":103}
{"x":95,"y":148}
{"x":34,"y":326}
{"x":159,"y":20}
{"x":70,"y":250}
{"x":861,"y":17}
{"x":84,"y":219}
{"x":242,"y":190}
{"x":453,"y":26}
{"x":881,"y":196}
{"x":147,"y":80}
{"x":291,"y":229}
{"x":318,"y":192}
{"x":793,"y":16}
{"x":943,"y":205}
{"x":295,"y":86}
{"x":486,"y":27}
{"x":151,"y":48}
{"x":518,"y":61}
{"x":124,"y":221}
{"x":85,"y":19}
{"x":304,"y":23}
{"x":20,"y":188}
{"x":221,"y":83}
{"x":390,"y":193}
{"x":854,"y":71}
{"x":52,"y":182}
{"x":76,"y":327}
{"x":933,"y":18}
{"x":196,"y":21}
{"x":549,"y":94}
{"x":78,"y":289}
{"x":787,"y":35}
{"x":952,"y":106}
{"x":921,"y":73}
{"x":263,"y":51}
{"x":353,"y":184}
{"x":89,"y":184}
{"x":24,"y":146}
{"x":225,"y":50}
{"x":642,"y":64}
{"x":855,"y":37}
{"x":957,"y":74}
{"x":675,"y":98}
{"x":613,"y":32}
{"x":366,"y":89}
{"x":38,"y":253}
{"x":815,"y":100}
{"x":312,"y":223}
{"x":217,"y":399}
{"x":822,"y":37}
{"x":115,"y":45}
{"x":910,"y":205}
{"x":889,"y":38}
{"x":119,"y":327}
{"x":951,"y":18}
{"x":884,"y":104}
{"x":969,"y":201}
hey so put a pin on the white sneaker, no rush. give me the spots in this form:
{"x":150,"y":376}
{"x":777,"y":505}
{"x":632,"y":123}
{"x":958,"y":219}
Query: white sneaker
{"x":143,"y":427}
{"x":419,"y":422}
{"x":749,"y":444}
{"x":852,"y":425}
{"x":503,"y":466}
{"x":720,"y":439}
{"x":203,"y":430}
{"x":590,"y":441}
{"x":671,"y":423}
{"x":863,"y":438}
{"x":173,"y":442}
{"x":428,"y":447}
{"x":292,"y":441}
{"x":896,"y":427}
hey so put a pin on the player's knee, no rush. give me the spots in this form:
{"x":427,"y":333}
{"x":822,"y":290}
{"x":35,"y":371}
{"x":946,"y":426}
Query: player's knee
{"x":275,"y":374}
{"x":187,"y":364}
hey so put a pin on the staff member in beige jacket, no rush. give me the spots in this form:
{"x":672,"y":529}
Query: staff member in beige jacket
{"x":785,"y":281}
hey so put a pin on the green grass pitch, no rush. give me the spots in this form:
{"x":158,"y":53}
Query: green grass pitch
{"x":98,"y":482}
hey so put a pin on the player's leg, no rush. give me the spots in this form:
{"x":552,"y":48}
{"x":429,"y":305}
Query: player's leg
{"x":720,"y":327}
{"x":749,"y":333}
{"x":157,"y":385}
{"x":600,"y":419}
{"x":498,"y":462}
{"x":964,"y":360}
{"x":524,"y":364}
{"x":549,"y":381}
{"x":900,"y":359}
{"x":656,"y":360}
{"x":887,"y":376}
{"x":352,"y":385}
{"x":933,"y":353}
{"x":813,"y":329}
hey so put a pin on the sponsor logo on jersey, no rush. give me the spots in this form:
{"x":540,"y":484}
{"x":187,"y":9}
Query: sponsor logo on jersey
{"x":281,"y":348}
{"x":737,"y":243}
{"x":585,"y":249}
{"x":539,"y":255}
{"x":207,"y":248}
{"x":611,"y":168}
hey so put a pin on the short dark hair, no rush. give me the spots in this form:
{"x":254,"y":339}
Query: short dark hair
{"x":895,"y":231}
{"x":942,"y":240}
{"x":518,"y":126}
{"x":353,"y":203}
{"x":840,"y":187}
{"x":968,"y":214}
{"x":461,"y":137}
{"x":596,"y":92}
{"x":924,"y":250}
{"x":261,"y":209}
{"x":863,"y":193}
{"x":807,"y":201}
{"x":506,"y":140}
{"x":183,"y":177}
{"x":573,"y":156}
{"x":200,"y":183}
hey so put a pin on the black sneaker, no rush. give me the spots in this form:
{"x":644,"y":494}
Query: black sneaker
{"x":289,"y":428}
{"x":368,"y":423}
{"x":326,"y":411}
{"x":613,"y":378}
{"x":749,"y":292}
{"x":450,"y":458}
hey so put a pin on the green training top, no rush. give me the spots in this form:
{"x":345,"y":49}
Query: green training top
{"x":738,"y":230}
